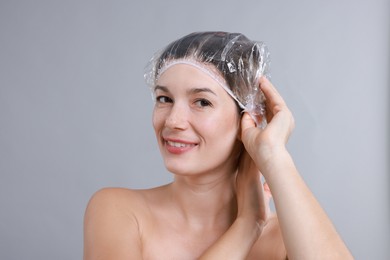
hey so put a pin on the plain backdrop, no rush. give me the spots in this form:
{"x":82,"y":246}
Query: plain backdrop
{"x":75,"y":113}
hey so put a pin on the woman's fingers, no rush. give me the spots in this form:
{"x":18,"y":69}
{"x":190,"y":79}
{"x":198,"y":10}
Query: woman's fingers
{"x":267,"y":196}
{"x":247,"y":122}
{"x":249,"y":133}
{"x":273,"y":98}
{"x":275,"y":104}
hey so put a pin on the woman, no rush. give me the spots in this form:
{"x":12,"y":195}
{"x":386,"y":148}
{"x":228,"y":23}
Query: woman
{"x":217,"y":136}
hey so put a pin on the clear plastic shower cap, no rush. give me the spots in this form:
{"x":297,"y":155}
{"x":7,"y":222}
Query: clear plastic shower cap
{"x":240,"y":61}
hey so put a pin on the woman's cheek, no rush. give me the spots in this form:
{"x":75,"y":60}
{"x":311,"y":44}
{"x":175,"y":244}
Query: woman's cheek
{"x":157,"y":119}
{"x":221,"y":127}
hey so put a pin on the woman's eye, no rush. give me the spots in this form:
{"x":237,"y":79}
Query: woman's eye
{"x":163,"y":99}
{"x":203,"y":103}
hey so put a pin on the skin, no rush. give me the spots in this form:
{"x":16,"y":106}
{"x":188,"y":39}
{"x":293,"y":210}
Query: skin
{"x":216,"y":207}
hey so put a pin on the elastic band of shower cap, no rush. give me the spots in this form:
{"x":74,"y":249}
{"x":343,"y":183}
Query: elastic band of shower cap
{"x":231,"y":59}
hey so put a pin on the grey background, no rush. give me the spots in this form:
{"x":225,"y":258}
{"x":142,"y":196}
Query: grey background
{"x":75,"y":112}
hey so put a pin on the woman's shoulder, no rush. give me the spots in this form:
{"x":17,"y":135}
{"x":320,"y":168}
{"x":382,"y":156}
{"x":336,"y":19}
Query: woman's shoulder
{"x":114,"y":220}
{"x":124,"y":198}
{"x":112,"y":204}
{"x":117,"y":194}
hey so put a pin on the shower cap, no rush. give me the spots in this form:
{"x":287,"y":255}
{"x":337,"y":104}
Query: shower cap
{"x":237,"y":65}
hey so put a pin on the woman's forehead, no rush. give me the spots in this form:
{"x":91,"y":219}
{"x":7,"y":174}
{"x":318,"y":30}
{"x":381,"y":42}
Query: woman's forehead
{"x":191,"y":75}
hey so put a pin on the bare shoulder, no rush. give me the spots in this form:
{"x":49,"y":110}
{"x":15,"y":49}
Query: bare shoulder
{"x":117,"y":199}
{"x":122,"y":201}
{"x":111,"y":223}
{"x":270,"y":245}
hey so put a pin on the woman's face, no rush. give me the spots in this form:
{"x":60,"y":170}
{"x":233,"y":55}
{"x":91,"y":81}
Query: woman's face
{"x":196,"y":122}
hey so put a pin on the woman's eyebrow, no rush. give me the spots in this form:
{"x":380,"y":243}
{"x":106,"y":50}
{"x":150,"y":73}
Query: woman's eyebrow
{"x":200,"y":90}
{"x":190,"y":91}
{"x":162,"y":88}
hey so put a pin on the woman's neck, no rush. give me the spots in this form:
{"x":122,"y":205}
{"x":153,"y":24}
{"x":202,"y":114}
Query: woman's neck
{"x":205,"y":202}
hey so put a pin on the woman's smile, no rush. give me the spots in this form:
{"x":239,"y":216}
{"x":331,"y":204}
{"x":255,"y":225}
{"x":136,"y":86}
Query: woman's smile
{"x":178,"y":146}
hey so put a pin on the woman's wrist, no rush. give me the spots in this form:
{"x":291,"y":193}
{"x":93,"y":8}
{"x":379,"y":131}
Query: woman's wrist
{"x":271,"y":158}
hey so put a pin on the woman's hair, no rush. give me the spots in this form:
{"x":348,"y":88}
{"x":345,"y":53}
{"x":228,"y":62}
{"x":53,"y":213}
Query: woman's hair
{"x":240,"y":61}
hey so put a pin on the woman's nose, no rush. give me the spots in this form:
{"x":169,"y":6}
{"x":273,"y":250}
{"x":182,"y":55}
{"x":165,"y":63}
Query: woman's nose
{"x":177,"y":118}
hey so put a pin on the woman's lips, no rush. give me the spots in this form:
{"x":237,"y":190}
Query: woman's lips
{"x":178,"y":146}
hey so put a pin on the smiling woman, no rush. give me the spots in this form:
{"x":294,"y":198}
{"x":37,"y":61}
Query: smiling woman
{"x":216,"y":207}
{"x":196,"y":126}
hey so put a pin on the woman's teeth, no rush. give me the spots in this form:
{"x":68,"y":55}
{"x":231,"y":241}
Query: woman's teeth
{"x":176,"y":144}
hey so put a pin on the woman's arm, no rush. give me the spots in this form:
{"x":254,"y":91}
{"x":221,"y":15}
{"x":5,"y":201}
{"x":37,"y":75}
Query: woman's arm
{"x":252,"y":211}
{"x":307,"y":231}
{"x":236,"y":242}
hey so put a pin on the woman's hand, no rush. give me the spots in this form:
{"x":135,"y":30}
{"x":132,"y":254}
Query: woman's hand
{"x":263,"y":144}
